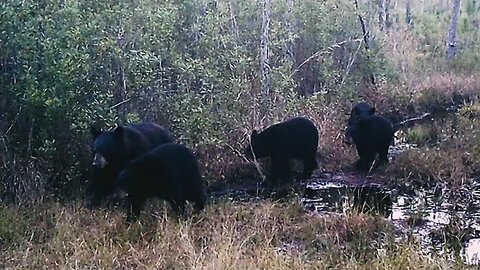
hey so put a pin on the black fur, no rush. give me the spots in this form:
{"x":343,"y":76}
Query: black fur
{"x":296,"y":138}
{"x":372,"y":134}
{"x":114,"y":148}
{"x":169,"y":172}
{"x":359,"y":111}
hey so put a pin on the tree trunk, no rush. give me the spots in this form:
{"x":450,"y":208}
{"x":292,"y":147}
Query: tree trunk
{"x":408,"y":13}
{"x":120,"y":93}
{"x":388,"y":19}
{"x":264,"y":50}
{"x":381,"y":14}
{"x":452,"y":30}
{"x":366,"y":39}
{"x":233,"y":20}
{"x":475,"y":22}
{"x":289,"y":44}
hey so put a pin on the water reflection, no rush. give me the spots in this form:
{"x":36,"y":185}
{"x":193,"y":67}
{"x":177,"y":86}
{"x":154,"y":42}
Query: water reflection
{"x":335,"y":197}
{"x":472,"y":252}
{"x":439,"y":217}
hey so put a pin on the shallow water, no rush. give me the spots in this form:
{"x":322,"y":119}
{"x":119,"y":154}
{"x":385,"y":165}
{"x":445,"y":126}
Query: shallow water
{"x":438,"y":218}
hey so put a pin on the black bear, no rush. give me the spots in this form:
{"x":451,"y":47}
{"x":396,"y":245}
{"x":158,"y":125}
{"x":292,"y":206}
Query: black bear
{"x":372,"y":134}
{"x":170,"y":172}
{"x":114,"y":148}
{"x":296,"y":138}
{"x":359,"y":111}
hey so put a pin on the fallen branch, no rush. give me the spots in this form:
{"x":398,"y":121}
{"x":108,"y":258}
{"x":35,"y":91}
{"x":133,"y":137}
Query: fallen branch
{"x":410,"y":122}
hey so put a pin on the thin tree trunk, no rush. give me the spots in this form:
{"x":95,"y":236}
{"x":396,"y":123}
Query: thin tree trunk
{"x":366,"y":39}
{"x":381,"y":14}
{"x":233,"y":20}
{"x":475,"y":22}
{"x":264,"y":48}
{"x":121,"y":91}
{"x":366,"y":33}
{"x":408,"y":13}
{"x":452,"y":30}
{"x":289,"y":44}
{"x":388,"y":19}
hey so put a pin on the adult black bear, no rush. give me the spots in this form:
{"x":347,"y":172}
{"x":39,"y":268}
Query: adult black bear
{"x":296,"y":138}
{"x":169,"y":172}
{"x":372,"y":134}
{"x":114,"y":148}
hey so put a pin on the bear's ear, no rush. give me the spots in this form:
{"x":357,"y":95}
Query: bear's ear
{"x":118,"y":132}
{"x":372,"y":110}
{"x":95,"y":131}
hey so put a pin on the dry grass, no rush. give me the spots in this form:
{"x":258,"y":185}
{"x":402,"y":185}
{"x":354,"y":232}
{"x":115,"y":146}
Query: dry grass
{"x":228,"y":235}
{"x":447,"y":152}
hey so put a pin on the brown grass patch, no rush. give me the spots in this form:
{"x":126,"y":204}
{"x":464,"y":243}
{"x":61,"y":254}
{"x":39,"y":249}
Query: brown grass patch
{"x":232,"y":235}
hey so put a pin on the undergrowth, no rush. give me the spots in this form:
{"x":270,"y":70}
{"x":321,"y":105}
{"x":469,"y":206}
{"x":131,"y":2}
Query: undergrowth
{"x":228,"y":235}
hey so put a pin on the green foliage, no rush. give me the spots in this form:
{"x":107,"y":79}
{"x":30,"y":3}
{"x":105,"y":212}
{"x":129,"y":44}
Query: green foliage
{"x":13,"y":228}
{"x":192,"y":66}
{"x":434,"y":100}
{"x":422,"y":135}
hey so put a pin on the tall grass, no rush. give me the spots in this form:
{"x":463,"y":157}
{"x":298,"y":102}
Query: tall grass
{"x":228,"y":235}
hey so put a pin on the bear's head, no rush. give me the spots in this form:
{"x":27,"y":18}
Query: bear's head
{"x":257,"y":148}
{"x":108,"y":147}
{"x":359,"y":111}
{"x":108,"y":152}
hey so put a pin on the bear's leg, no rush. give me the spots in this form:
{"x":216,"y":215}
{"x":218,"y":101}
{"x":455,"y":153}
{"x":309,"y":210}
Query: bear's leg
{"x":195,"y":194}
{"x":309,"y":164}
{"x":134,"y":206}
{"x":199,"y":202}
{"x":383,"y":155}
{"x":365,"y":162}
{"x":178,"y":206}
{"x":281,"y":170}
{"x":365,"y":156}
{"x":271,"y":179}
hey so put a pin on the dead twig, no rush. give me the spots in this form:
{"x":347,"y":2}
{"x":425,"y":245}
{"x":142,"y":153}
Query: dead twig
{"x":120,"y":103}
{"x":13,"y":122}
{"x":410,"y":122}
{"x":323,"y":52}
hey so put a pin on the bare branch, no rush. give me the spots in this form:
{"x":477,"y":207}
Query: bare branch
{"x":13,"y":122}
{"x":120,"y":103}
{"x":350,"y":63}
{"x":323,"y":52}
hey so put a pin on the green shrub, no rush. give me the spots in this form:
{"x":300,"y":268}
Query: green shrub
{"x":13,"y":228}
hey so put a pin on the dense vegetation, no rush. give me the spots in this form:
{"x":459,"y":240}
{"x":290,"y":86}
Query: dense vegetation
{"x":211,"y":72}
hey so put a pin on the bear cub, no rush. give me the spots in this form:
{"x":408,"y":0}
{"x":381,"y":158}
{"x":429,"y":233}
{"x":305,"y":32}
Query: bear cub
{"x":169,"y":172}
{"x":296,"y":138}
{"x":372,"y":134}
